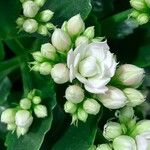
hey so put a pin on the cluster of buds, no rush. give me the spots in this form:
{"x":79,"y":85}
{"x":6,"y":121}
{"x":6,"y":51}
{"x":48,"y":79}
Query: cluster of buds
{"x":34,"y":21}
{"x":78,"y":106}
{"x":20,"y":118}
{"x":127,"y":133}
{"x":141,"y":10}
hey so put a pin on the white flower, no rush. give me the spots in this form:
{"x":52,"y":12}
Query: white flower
{"x":114,"y":98}
{"x":93,"y":65}
{"x":40,"y":111}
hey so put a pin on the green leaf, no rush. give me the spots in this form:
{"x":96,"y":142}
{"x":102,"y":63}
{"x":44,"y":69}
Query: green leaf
{"x":2,"y":52}
{"x":64,"y":9}
{"x":78,"y":138}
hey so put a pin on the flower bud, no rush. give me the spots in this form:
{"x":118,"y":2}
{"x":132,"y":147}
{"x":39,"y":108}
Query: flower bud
{"x":38,"y":56}
{"x":20,"y":21}
{"x":138,"y":5}
{"x":25,"y":103}
{"x":23,"y":118}
{"x":64,"y":26}
{"x":114,"y":98}
{"x":36,"y":100}
{"x":45,"y":68}
{"x":43,"y":30}
{"x":45,"y":15}
{"x":135,"y":14}
{"x":130,"y":75}
{"x":40,"y":3}
{"x":36,"y":67}
{"x":75,"y":25}
{"x":134,"y":97}
{"x":81,"y":40}
{"x":98,"y":39}
{"x":30,"y":25}
{"x":48,"y":51}
{"x":50,"y":26}
{"x":147,"y":3}
{"x":126,"y":114}
{"x":60,"y":73}
{"x":8,"y":116}
{"x":124,"y":142}
{"x":104,"y":147}
{"x":11,"y":127}
{"x":30,"y":9}
{"x":141,"y":127}
{"x":112,"y":130}
{"x":70,"y":107}
{"x":143,"y":18}
{"x":40,"y":111}
{"x":74,"y":94}
{"x":82,"y":114}
{"x":89,"y":32}
{"x":91,"y":106}
{"x":61,"y":40}
{"x":21,"y":131}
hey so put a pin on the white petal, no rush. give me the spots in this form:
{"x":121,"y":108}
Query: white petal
{"x":142,"y":144}
{"x":71,"y":73}
{"x":70,"y":58}
{"x":77,"y":60}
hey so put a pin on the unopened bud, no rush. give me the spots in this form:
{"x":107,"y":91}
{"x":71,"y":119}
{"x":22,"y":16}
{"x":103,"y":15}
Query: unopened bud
{"x":61,"y":40}
{"x":40,"y":3}
{"x":42,"y":29}
{"x":75,"y":25}
{"x":48,"y":51}
{"x":112,"y":130}
{"x":134,"y":97}
{"x":30,"y":9}
{"x":81,"y":40}
{"x":21,"y":131}
{"x":30,"y":25}
{"x":135,"y":14}
{"x":36,"y":67}
{"x":60,"y":73}
{"x":11,"y":127}
{"x":114,"y":98}
{"x":50,"y":26}
{"x":98,"y":39}
{"x":38,"y":56}
{"x":25,"y":103}
{"x":8,"y":116}
{"x":74,"y":94}
{"x":89,"y":32}
{"x":143,"y":18}
{"x":82,"y":114}
{"x":104,"y":147}
{"x":36,"y":100}
{"x":138,"y":5}
{"x":64,"y":26}
{"x":20,"y":21}
{"x":70,"y":107}
{"x":91,"y":106}
{"x":45,"y":15}
{"x":40,"y":111}
{"x":45,"y":68}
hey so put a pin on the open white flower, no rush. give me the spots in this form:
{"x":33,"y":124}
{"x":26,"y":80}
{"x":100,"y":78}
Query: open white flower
{"x":93,"y":65}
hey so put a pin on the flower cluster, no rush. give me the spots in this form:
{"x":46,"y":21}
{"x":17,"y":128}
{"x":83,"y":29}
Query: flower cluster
{"x":141,"y":10}
{"x":34,"y":21}
{"x":76,"y":56}
{"x":20,"y":118}
{"x":126,"y":133}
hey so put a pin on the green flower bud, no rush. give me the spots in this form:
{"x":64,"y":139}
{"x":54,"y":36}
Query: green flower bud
{"x":21,"y":131}
{"x":45,"y":68}
{"x":138,"y":5}
{"x":40,"y":3}
{"x":61,"y":40}
{"x":135,"y":14}
{"x":30,"y":25}
{"x":50,"y":26}
{"x":70,"y":107}
{"x":91,"y":106}
{"x":112,"y":130}
{"x":104,"y":147}
{"x":74,"y":94}
{"x":75,"y":25}
{"x":64,"y":26}
{"x":134,"y":97}
{"x":43,"y":30}
{"x":8,"y":116}
{"x":11,"y":127}
{"x":20,"y":21}
{"x":89,"y":32}
{"x":98,"y":39}
{"x":143,"y":18}
{"x":40,"y":111}
{"x":124,"y":142}
{"x":23,"y":119}
{"x":30,"y":9}
{"x":141,"y":127}
{"x":147,"y":3}
{"x":82,"y":114}
{"x":36,"y":100}
{"x":38,"y":56}
{"x":114,"y":98}
{"x":60,"y":73}
{"x":130,"y":75}
{"x":36,"y":67}
{"x":81,"y":40}
{"x":45,"y":15}
{"x":25,"y":103}
{"x":48,"y":51}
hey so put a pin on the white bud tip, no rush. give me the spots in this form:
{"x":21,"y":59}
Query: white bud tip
{"x":36,"y":100}
{"x":25,"y":103}
{"x":40,"y":111}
